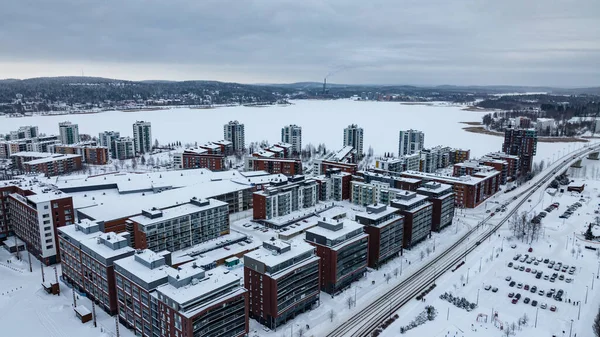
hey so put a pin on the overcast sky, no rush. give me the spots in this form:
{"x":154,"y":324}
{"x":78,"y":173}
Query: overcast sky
{"x":421,"y":42}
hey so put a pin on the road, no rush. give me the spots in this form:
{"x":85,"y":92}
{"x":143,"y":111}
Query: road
{"x":367,"y":319}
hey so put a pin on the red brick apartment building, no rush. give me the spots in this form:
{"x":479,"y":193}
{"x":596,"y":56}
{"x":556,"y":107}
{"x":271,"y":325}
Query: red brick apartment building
{"x":417,"y":212}
{"x":470,"y":191}
{"x":343,"y":247}
{"x":321,"y":166}
{"x":289,"y":167}
{"x":442,"y":198}
{"x":35,"y":218}
{"x":385,"y":227}
{"x":89,"y":261}
{"x":91,"y":154}
{"x":282,"y":279}
{"x":196,"y":159}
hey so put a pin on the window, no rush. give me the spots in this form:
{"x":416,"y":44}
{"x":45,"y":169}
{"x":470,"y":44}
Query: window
{"x":49,"y":241}
{"x":49,"y":247}
{"x":46,"y":222}
{"x":46,"y":216}
{"x":55,"y":205}
{"x":45,"y":206}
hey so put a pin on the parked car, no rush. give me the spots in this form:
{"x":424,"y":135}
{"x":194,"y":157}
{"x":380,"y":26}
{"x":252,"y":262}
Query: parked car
{"x":552,"y":308}
{"x":569,"y":280}
{"x":512,"y":284}
{"x":513,"y":246}
{"x":534,"y":303}
{"x":533,"y":289}
{"x":514,"y":301}
{"x":520,"y":285}
{"x":546,"y":277}
{"x":510,"y":264}
{"x":508,"y":278}
{"x":546,"y":260}
{"x":526,"y":287}
{"x":528,"y":270}
{"x":541,"y":292}
{"x":487,"y":287}
{"x":518,"y":296}
{"x":511,"y":295}
{"x":494,"y":290}
{"x":526,"y":300}
{"x":543,"y":305}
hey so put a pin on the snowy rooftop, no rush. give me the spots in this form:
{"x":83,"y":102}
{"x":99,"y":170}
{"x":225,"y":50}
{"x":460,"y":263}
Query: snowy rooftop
{"x":467,"y":180}
{"x":196,"y":284}
{"x":408,"y":198}
{"x":342,"y":229}
{"x":435,"y":187}
{"x":115,"y":208}
{"x":32,"y":154}
{"x":271,"y":258}
{"x":138,"y":265}
{"x":369,"y":214}
{"x":54,"y":157}
{"x":343,"y":153}
{"x":177,"y":211}
{"x":83,"y":230}
{"x":108,"y":245}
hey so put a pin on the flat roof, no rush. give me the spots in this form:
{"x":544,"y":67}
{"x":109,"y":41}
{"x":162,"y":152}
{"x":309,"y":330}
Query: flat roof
{"x":408,"y":202}
{"x":375,"y":216}
{"x":177,"y":211}
{"x":213,"y":280}
{"x":140,"y":270}
{"x":32,"y":154}
{"x":103,"y":250}
{"x":348,"y":226}
{"x":266,"y":256}
{"x":466,"y":180}
{"x":439,"y":187}
{"x":54,"y":157}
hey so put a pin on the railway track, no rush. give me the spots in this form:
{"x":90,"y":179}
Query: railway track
{"x":364,"y":322}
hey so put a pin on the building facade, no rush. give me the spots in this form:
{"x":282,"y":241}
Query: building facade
{"x":385,"y":227}
{"x":283,"y":198}
{"x":287,"y":166}
{"x":418,"y":216}
{"x":282,"y":280}
{"x":441,"y":197}
{"x":181,"y":226}
{"x":124,"y":148}
{"x":521,"y":143}
{"x":69,"y":133}
{"x":292,"y":134}
{"x":192,"y":159}
{"x":107,"y":139}
{"x":353,"y":136}
{"x":234,"y":132}
{"x":342,"y":246}
{"x":410,"y":142}
{"x":142,"y":137}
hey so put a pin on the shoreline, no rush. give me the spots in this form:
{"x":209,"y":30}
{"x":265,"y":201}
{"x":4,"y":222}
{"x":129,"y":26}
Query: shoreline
{"x":482,"y":130}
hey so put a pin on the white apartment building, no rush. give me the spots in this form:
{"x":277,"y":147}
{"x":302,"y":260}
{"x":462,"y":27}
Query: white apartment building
{"x":234,"y":132}
{"x":410,"y":141}
{"x":142,"y":137}
{"x":353,"y":136}
{"x":69,"y":133}
{"x":292,"y":134}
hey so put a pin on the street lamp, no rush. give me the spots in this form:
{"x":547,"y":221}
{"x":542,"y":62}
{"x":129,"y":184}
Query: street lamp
{"x":477,"y":296}
{"x":586,"y":293}
{"x":468,"y":269}
{"x":571,"y":329}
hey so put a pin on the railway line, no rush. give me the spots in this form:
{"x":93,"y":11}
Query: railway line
{"x":365,"y":321}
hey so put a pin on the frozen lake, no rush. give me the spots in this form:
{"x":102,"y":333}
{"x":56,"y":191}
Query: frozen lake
{"x":321,"y":121}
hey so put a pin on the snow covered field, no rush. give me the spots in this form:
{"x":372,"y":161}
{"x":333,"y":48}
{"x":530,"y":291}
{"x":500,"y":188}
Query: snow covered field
{"x":556,"y":243}
{"x":321,"y":121}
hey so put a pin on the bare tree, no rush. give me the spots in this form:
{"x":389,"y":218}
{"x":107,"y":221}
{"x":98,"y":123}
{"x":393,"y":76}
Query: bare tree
{"x":428,"y":250}
{"x":507,"y":331}
{"x":388,"y":277}
{"x":134,"y":163}
{"x":573,"y":251}
{"x":596,"y":325}
{"x":331,"y":315}
{"x":396,"y":271}
{"x":349,"y":302}
{"x":300,"y":332}
{"x":513,"y":327}
{"x":525,"y":319}
{"x":422,"y":255}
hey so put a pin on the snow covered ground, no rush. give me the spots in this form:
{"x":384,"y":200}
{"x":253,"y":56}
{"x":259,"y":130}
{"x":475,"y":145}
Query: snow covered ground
{"x":321,"y":121}
{"x":557,"y":243}
{"x":27,"y":310}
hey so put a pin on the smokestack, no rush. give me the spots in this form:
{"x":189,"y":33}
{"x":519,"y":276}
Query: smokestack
{"x":324,"y":85}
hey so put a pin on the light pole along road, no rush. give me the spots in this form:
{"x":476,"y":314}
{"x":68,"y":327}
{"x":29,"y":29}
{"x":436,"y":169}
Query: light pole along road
{"x":367,"y":319}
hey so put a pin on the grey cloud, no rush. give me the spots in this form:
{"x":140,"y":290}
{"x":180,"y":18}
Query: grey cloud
{"x":530,"y":42}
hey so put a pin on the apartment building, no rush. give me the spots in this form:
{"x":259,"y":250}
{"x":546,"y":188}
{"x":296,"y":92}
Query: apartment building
{"x":142,"y":137}
{"x":292,"y":134}
{"x":69,"y":133}
{"x":201,"y":158}
{"x":124,"y":148}
{"x":434,"y":158}
{"x":410,"y":142}
{"x":234,"y":132}
{"x":283,"y":280}
{"x":226,"y":147}
{"x":53,"y":164}
{"x":37,"y":144}
{"x":353,"y":136}
{"x":470,"y":190}
{"x":180,"y":226}
{"x":385,"y":227}
{"x":107,"y":139}
{"x":459,"y":155}
{"x":342,"y":246}
{"x":395,"y":165}
{"x":402,"y":183}
{"x":282,"y":198}
{"x":513,"y":164}
{"x":320,"y":166}
{"x":195,"y":302}
{"x":441,"y":197}
{"x":136,"y":278}
{"x":24,"y":132}
{"x":35,"y":219}
{"x":93,"y":271}
{"x":521,"y":143}
{"x":418,"y":216}
{"x":89,"y":152}
{"x":69,"y":240}
{"x":287,"y":166}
